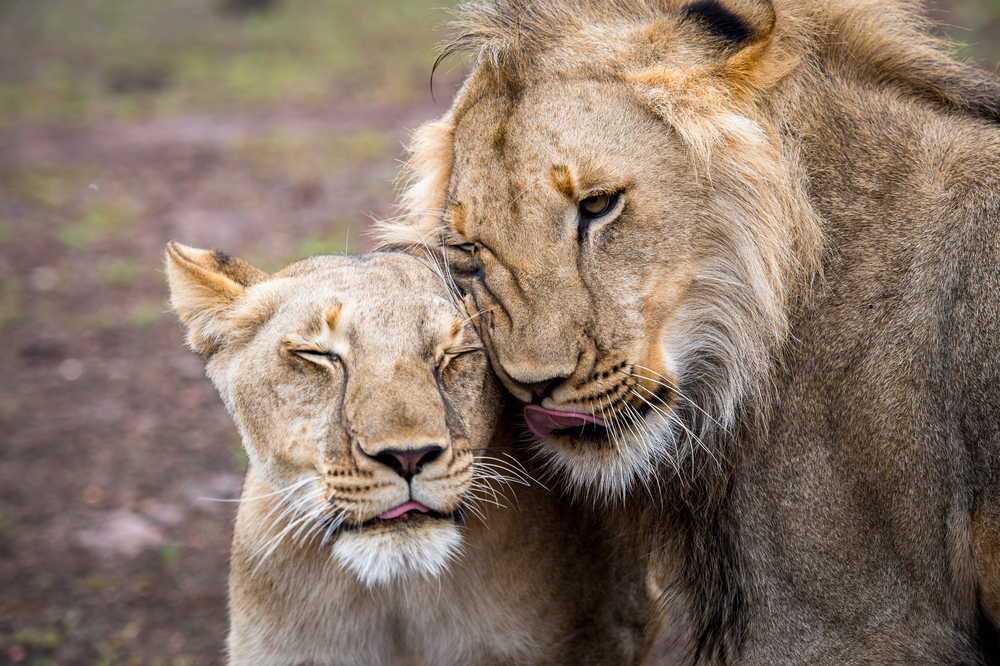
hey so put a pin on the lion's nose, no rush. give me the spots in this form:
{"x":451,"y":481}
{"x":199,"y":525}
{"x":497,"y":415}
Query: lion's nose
{"x":538,"y":390}
{"x":408,"y":463}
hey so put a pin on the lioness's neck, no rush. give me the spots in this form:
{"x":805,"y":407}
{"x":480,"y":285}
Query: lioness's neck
{"x":517,"y":567}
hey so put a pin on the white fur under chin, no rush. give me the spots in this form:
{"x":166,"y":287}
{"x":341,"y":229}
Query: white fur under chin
{"x":636,"y":456}
{"x":379,"y":558}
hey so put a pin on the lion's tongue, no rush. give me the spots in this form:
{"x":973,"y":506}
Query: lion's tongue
{"x":543,"y":421}
{"x":403,"y":508}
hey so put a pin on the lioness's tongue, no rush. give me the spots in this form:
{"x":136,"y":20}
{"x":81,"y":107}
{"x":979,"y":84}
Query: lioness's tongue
{"x":543,"y":421}
{"x":403,"y":508}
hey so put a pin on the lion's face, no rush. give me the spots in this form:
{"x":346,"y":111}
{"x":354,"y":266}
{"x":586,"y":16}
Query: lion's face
{"x":587,"y":256}
{"x":624,"y":220}
{"x":362,"y":396}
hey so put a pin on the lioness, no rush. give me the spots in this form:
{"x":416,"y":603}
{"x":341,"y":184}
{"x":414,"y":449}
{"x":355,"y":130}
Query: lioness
{"x":745,"y":254}
{"x":372,"y":527}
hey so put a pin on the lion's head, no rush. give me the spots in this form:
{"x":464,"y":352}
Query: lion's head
{"x":361,"y":392}
{"x":615,"y":195}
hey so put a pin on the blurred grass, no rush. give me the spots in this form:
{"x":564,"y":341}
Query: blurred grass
{"x":97,"y":222}
{"x":974,"y":28}
{"x":80,"y":62}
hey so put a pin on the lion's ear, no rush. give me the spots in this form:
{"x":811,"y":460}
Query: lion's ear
{"x":734,"y":24}
{"x":703,"y":68}
{"x":204,"y":286}
{"x":726,"y":45}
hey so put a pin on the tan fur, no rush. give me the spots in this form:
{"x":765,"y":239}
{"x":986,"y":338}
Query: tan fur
{"x":788,"y":322}
{"x":330,"y":368}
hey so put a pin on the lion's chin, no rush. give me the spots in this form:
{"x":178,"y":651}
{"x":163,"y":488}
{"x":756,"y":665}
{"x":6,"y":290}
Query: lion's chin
{"x":382,"y":556}
{"x":608,"y":463}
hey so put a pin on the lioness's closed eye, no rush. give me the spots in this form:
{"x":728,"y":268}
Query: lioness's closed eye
{"x":373,"y":525}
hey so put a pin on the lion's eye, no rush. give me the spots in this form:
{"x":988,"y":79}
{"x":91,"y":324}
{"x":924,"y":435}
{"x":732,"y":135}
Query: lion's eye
{"x":467,"y":247}
{"x":593,"y":208}
{"x":598,"y":205}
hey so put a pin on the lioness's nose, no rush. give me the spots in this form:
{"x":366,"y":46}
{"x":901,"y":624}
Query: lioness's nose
{"x":408,"y":463}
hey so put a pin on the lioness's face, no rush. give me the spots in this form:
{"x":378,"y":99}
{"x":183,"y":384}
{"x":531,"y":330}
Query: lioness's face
{"x":363,"y":396}
{"x":587,"y":255}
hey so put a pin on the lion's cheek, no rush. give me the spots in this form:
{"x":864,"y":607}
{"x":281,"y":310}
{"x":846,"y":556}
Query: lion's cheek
{"x":661,"y":325}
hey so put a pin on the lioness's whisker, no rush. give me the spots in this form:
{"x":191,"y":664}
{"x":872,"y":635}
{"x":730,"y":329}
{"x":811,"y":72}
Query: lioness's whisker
{"x":481,"y":483}
{"x":469,"y":318}
{"x":646,"y":440}
{"x":643,"y":433}
{"x":265,"y":495}
{"x":508,"y":463}
{"x":613,"y":428}
{"x":476,"y":511}
{"x":273,"y":543}
{"x":515,"y":475}
{"x":493,"y":502}
{"x":525,"y":190}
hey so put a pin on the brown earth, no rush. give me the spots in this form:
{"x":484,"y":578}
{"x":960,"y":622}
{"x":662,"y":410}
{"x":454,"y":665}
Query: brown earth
{"x":117,"y":459}
{"x":115,"y":448}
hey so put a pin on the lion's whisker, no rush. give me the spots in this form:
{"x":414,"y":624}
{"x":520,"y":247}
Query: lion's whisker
{"x":667,"y":383}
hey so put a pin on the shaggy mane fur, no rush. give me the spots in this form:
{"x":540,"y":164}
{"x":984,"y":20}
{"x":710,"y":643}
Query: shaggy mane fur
{"x":822,"y":195}
{"x":519,"y":42}
{"x":718,"y":98}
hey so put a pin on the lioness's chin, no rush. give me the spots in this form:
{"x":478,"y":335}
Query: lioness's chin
{"x":379,"y":556}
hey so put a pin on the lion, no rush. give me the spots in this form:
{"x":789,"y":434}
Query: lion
{"x":738,"y":260}
{"x":381,"y":519}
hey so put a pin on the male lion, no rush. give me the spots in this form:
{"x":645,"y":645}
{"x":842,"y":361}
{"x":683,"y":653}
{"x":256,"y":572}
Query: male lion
{"x":371,"y":528}
{"x":741,"y":262}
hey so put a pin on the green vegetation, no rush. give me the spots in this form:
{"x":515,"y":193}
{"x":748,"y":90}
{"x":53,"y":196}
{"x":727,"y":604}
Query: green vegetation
{"x":102,"y":583}
{"x":119,"y":271}
{"x":97,"y":222}
{"x":338,"y":241}
{"x":45,"y":638}
{"x":84,"y":61}
{"x":170,"y":552}
{"x":11,"y":300}
{"x":240,"y":459}
{"x":147,"y":313}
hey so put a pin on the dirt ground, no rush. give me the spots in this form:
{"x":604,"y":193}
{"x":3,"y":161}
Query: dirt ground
{"x":271,"y":130}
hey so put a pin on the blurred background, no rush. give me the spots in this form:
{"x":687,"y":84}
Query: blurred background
{"x":271,"y":129}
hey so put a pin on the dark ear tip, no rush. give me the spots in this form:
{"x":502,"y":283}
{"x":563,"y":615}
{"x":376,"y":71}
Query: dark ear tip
{"x":178,"y":252}
{"x":737,"y":23}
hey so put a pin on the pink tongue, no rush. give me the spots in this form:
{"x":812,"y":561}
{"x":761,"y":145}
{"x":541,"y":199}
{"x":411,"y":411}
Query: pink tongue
{"x":543,"y":421}
{"x":403,"y":508}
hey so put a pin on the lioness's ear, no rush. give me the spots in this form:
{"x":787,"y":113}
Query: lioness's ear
{"x":204,"y":284}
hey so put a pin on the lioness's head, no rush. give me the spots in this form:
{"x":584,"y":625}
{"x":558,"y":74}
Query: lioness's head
{"x":612,"y":192}
{"x":362,"y":394}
